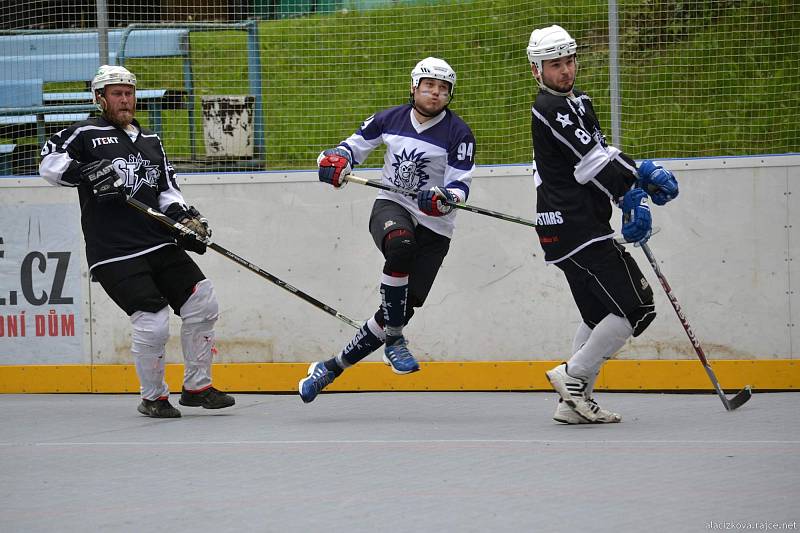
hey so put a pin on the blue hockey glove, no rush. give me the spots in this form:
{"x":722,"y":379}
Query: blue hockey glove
{"x":659,"y":182}
{"x":436,"y":201}
{"x":334,"y":164}
{"x":102,"y":177}
{"x":637,"y":223}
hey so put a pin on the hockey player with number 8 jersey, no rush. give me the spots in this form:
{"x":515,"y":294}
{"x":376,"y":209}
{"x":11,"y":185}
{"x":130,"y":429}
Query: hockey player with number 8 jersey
{"x":579,"y":179}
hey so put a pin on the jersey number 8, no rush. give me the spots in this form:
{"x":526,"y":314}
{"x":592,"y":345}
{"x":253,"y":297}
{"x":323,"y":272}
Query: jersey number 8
{"x":582,"y":136}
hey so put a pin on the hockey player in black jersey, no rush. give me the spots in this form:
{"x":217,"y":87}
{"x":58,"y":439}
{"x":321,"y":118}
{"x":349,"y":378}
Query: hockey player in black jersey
{"x":135,"y":258}
{"x":578,"y":177}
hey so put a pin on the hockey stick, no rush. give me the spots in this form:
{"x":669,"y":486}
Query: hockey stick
{"x":743,"y":395}
{"x":164,"y":219}
{"x":480,"y":210}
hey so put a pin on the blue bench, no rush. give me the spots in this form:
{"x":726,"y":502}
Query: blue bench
{"x":47,"y":57}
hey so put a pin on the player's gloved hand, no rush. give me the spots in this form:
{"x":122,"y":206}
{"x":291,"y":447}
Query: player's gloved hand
{"x":637,"y":223}
{"x":102,"y":177}
{"x":659,"y":182}
{"x":196,"y":222}
{"x":334,"y":164}
{"x":436,"y":201}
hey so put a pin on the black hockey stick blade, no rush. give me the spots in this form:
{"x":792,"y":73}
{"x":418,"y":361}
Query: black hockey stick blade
{"x":740,"y":399}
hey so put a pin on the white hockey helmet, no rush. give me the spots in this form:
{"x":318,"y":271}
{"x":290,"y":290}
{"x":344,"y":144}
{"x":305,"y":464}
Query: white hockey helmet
{"x":110,"y":75}
{"x":433,"y":67}
{"x":550,"y":43}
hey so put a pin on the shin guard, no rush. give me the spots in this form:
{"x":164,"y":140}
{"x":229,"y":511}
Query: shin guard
{"x":368,"y":339}
{"x":606,"y":339}
{"x":149,"y":339}
{"x":394,"y":294}
{"x":198,"y":314}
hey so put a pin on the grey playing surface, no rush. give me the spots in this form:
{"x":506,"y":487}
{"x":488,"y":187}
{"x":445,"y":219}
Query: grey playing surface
{"x":398,"y":462}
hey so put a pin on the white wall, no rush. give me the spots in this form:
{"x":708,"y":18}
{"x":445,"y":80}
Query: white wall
{"x":726,"y":246}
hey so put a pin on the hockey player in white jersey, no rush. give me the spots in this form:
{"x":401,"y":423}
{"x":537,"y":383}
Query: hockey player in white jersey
{"x":135,"y":258}
{"x":578,"y":178}
{"x":429,"y":151}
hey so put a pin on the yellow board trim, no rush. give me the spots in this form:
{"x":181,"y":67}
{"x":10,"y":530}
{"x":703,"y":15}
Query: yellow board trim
{"x":621,"y":375}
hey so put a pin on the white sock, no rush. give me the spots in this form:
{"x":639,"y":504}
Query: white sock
{"x":606,"y":339}
{"x":581,"y":336}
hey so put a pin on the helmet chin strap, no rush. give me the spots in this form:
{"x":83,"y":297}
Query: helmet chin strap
{"x":553,"y":91}
{"x":544,"y":86}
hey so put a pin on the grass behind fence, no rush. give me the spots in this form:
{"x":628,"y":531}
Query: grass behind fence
{"x":678,"y":100}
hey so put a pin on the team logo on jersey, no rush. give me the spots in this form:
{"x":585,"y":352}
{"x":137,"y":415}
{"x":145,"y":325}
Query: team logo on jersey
{"x":563,"y":120}
{"x":409,"y":170}
{"x":137,"y":171}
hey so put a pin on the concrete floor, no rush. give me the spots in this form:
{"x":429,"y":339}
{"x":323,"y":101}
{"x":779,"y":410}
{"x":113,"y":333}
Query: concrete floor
{"x":413,"y":462}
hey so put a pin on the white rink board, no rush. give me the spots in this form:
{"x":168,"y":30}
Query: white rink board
{"x":725,"y":246}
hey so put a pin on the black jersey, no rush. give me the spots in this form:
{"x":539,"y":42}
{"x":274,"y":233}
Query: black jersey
{"x":577,"y":174}
{"x":114,"y":231}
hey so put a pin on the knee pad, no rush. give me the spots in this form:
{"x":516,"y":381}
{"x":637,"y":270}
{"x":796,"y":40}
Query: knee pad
{"x":150,"y":332}
{"x":641,"y":317}
{"x":399,"y":249}
{"x":202,"y":306}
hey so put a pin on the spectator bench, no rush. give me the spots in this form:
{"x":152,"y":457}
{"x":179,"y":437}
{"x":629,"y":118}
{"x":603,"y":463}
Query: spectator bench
{"x":29,"y":61}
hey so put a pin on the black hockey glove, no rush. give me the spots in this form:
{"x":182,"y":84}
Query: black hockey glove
{"x":104,"y":181}
{"x":196,"y":222}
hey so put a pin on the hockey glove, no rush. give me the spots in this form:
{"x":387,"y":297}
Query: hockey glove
{"x":436,"y":201}
{"x":334,"y":164}
{"x":636,"y":220}
{"x":196,"y":222}
{"x":659,"y":182}
{"x":104,"y":181}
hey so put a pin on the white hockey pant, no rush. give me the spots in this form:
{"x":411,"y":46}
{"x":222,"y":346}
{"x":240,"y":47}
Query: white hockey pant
{"x":198,"y":316}
{"x":150,"y":334}
{"x":592,"y":347}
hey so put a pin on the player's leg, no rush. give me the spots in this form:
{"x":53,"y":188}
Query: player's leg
{"x":392,"y":229}
{"x":615,"y":302}
{"x":390,"y":225}
{"x":131,"y":286}
{"x":367,"y":339}
{"x":193,"y":298}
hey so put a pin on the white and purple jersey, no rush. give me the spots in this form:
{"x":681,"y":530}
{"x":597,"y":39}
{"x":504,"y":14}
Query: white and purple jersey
{"x":437,"y":153}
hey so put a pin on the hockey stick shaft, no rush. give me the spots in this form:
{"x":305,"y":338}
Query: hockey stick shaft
{"x":742,"y":396}
{"x":480,"y":210}
{"x":177,"y":226}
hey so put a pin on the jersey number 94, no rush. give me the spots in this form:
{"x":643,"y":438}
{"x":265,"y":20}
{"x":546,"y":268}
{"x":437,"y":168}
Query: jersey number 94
{"x":465,"y":151}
